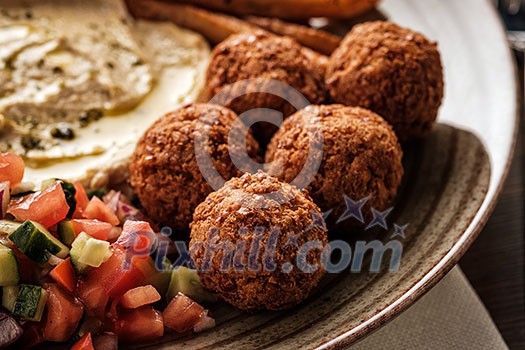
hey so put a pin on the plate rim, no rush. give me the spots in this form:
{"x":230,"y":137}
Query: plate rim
{"x":466,"y":240}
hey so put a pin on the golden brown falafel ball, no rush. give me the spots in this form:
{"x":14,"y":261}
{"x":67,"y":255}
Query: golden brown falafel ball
{"x":392,"y":71}
{"x":164,"y":171}
{"x":263,"y":55}
{"x":257,"y":210}
{"x":361,"y":158}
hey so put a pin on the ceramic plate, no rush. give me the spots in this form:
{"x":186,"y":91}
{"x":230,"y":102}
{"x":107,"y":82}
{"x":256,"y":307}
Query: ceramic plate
{"x":452,"y":181}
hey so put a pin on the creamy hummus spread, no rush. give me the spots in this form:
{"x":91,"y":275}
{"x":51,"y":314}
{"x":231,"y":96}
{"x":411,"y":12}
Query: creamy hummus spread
{"x":80,"y":81}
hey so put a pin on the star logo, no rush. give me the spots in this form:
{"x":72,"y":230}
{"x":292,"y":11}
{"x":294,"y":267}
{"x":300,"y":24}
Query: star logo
{"x":379,"y":218}
{"x":318,"y":220}
{"x":399,"y":231}
{"x":353,"y":209}
{"x":292,"y":239}
{"x":327,"y":213}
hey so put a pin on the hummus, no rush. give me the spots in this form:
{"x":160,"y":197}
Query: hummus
{"x":80,"y":81}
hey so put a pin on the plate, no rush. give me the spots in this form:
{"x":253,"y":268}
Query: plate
{"x":452,"y":181}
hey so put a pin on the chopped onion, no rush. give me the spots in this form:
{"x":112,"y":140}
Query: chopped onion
{"x":126,"y":211}
{"x":111,"y":199}
{"x":55,"y":260}
{"x":10,"y":330}
{"x":206,"y":322}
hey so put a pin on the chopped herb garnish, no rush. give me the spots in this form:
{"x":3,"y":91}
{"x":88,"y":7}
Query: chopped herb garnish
{"x":100,"y":193}
{"x":58,"y":70}
{"x":63,"y":132}
{"x":21,"y":194}
{"x":69,"y":193}
{"x":30,"y":142}
{"x":90,"y":116}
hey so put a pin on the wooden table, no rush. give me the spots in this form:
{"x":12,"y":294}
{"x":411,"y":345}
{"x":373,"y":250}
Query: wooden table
{"x":495,"y":263}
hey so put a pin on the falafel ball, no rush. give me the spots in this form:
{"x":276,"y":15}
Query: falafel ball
{"x":165,"y":173}
{"x":392,"y":71}
{"x":264,"y":55}
{"x":361,"y":158}
{"x":276,"y":234}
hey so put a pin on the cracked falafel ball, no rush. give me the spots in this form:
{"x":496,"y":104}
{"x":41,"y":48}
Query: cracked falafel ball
{"x":361,"y":158}
{"x":164,"y":170}
{"x":392,"y":71}
{"x":263,"y":55}
{"x":282,"y":223}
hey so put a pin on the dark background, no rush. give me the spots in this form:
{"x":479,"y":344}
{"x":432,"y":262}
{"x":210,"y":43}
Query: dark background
{"x":495,"y":263}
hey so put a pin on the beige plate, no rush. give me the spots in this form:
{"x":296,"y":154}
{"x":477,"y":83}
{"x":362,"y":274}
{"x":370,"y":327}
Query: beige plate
{"x":453,"y":179}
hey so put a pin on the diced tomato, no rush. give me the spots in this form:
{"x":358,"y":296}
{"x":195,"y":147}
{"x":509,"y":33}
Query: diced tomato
{"x":112,"y":311}
{"x":82,"y":200}
{"x":146,"y":265}
{"x":182,"y":313}
{"x":11,"y":168}
{"x":121,"y":272}
{"x":106,"y":341}
{"x":140,"y":325}
{"x":63,"y":314}
{"x":64,"y":274}
{"x":140,"y":296}
{"x":5,"y":198}
{"x":32,"y":336}
{"x":53,"y":230}
{"x":85,"y":343}
{"x":115,"y":233}
{"x":94,"y":228}
{"x":46,"y":207}
{"x":94,"y":297}
{"x":96,"y":209}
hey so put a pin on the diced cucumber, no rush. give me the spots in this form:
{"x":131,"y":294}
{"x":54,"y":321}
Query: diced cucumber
{"x":161,"y":279}
{"x":76,"y":250}
{"x":23,"y":189}
{"x":47,"y":182}
{"x":87,"y":251}
{"x":30,"y":302}
{"x":95,"y":252}
{"x":7,"y":227}
{"x":35,"y":241}
{"x":9,"y":294}
{"x":66,"y":232}
{"x":9,"y":275}
{"x":187,"y":282}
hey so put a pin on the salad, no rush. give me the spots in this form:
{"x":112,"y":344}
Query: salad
{"x":83,"y":269}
